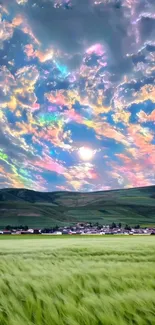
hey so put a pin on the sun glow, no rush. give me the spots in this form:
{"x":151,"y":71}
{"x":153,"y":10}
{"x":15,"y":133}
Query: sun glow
{"x":86,"y":153}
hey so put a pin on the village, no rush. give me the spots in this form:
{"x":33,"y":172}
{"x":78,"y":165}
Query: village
{"x":81,"y":229}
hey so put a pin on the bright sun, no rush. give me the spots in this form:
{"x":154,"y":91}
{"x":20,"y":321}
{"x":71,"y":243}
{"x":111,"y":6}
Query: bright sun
{"x":86,"y":153}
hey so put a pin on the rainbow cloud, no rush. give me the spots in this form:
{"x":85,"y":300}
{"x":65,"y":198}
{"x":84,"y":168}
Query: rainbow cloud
{"x":67,"y":83}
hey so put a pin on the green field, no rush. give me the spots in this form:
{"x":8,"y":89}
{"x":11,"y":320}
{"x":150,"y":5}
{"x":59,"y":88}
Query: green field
{"x":77,"y":281}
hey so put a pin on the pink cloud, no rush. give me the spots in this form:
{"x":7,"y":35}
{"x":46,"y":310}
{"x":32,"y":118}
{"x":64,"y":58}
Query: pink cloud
{"x":47,"y":163}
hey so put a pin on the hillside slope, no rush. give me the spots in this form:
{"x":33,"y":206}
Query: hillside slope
{"x":36,"y":209}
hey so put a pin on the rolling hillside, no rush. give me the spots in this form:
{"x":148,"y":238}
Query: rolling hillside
{"x":36,"y":209}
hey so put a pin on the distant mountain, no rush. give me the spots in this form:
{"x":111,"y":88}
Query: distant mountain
{"x":37,"y":209}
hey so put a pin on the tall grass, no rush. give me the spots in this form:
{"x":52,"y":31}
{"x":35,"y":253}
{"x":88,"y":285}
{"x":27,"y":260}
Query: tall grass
{"x":82,"y":281}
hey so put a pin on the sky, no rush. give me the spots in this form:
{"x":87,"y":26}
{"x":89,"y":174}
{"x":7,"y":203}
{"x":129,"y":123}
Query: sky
{"x":77,"y":94}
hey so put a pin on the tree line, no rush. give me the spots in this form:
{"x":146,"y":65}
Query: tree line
{"x":55,"y":228}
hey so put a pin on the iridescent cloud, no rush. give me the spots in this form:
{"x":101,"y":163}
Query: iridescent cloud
{"x":72,"y":75}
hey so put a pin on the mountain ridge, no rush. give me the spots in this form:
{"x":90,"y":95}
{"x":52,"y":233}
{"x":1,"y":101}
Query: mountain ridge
{"x":129,"y":206}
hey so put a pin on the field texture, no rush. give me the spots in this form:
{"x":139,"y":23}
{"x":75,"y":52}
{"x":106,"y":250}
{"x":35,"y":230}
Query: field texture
{"x":77,"y":281}
{"x":36,"y":209}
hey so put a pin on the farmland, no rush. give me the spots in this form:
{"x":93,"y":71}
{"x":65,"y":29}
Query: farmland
{"x":77,"y":281}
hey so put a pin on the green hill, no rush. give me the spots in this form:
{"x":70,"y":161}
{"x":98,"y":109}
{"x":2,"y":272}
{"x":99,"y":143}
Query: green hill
{"x":36,"y":209}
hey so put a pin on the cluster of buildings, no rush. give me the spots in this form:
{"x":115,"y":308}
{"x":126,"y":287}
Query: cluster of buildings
{"x":100,"y":230}
{"x":84,"y":229}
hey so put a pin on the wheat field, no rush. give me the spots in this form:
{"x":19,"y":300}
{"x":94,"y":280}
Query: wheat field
{"x":77,"y":281}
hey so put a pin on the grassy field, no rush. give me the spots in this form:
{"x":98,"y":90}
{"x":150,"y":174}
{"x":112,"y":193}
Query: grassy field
{"x":77,"y":281}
